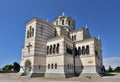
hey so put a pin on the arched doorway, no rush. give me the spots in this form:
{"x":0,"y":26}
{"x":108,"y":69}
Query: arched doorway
{"x":27,"y":67}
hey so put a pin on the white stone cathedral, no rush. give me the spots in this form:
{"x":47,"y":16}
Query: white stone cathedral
{"x":58,"y":50}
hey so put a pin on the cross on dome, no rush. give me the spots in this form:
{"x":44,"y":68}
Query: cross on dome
{"x":86,"y":26}
{"x":98,"y":37}
{"x":47,"y":20}
{"x":63,"y":14}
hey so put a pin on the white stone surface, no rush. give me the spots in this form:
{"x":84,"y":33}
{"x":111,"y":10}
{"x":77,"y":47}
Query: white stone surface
{"x":61,"y":32}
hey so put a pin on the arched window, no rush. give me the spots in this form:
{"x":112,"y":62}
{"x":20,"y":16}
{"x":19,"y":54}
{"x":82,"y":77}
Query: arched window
{"x":75,"y":51}
{"x":62,"y":22}
{"x":72,"y":38}
{"x":48,"y":66}
{"x":79,"y":51}
{"x":96,"y":53}
{"x":56,"y":22}
{"x":70,"y":51}
{"x":57,"y":50}
{"x":54,"y":49}
{"x":69,"y":34}
{"x":66,"y":48}
{"x":47,"y":49}
{"x":55,"y":65}
{"x":32,"y":31}
{"x":55,"y":32}
{"x":27,"y":66}
{"x":52,"y":66}
{"x":50,"y":49}
{"x":68,"y":22}
{"x":68,"y":66}
{"x":27,"y":34}
{"x":83,"y":50}
{"x":72,"y":67}
{"x":87,"y":49}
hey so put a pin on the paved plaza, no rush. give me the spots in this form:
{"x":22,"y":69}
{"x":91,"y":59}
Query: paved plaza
{"x":12,"y":77}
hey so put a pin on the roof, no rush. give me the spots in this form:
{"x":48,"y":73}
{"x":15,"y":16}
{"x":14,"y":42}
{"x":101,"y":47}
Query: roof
{"x":63,"y":16}
{"x":87,"y":40}
{"x":39,"y":20}
{"x":59,"y":37}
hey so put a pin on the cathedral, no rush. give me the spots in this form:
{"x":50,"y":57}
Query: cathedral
{"x":57,"y":49}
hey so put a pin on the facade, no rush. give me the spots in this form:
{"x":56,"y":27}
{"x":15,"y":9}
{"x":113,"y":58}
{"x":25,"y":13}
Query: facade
{"x":58,"y":50}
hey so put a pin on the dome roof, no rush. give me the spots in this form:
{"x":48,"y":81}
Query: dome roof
{"x":65,"y":21}
{"x":63,"y":16}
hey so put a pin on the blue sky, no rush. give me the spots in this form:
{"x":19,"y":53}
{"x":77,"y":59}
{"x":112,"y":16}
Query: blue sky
{"x":102,"y":17}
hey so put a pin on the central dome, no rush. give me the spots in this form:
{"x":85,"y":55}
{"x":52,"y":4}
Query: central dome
{"x":66,"y":21}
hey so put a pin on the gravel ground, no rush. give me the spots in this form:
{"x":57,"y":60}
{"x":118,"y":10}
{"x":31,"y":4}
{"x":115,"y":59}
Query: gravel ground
{"x":12,"y":77}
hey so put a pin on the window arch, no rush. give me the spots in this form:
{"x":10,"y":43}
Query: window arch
{"x":48,"y":66}
{"x":96,"y":53}
{"x":75,"y":51}
{"x":55,"y":65}
{"x":56,"y":22}
{"x":55,"y":32}
{"x":52,"y":66}
{"x":32,"y":31}
{"x":57,"y":50}
{"x":27,"y":63}
{"x":68,"y":66}
{"x":69,"y":34}
{"x":50,"y":49}
{"x":47,"y":49}
{"x":68,"y":22}
{"x":68,"y":49}
{"x":72,"y":38}
{"x":83,"y":50}
{"x":72,"y":67}
{"x":62,"y":22}
{"x":79,"y":51}
{"x":87,"y":50}
{"x":28,"y":34}
{"x":54,"y":48}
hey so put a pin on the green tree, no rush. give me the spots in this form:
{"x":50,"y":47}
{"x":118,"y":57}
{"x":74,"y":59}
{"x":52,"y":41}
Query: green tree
{"x":110,"y":69}
{"x":117,"y":69}
{"x":16,"y":67}
{"x":7,"y":68}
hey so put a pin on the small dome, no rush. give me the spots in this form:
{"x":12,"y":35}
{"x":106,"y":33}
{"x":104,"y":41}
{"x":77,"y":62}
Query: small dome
{"x":66,"y":21}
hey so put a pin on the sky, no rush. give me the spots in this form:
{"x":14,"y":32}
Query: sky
{"x":101,"y":16}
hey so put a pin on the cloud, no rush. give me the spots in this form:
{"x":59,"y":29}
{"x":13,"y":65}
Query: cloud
{"x":112,"y":61}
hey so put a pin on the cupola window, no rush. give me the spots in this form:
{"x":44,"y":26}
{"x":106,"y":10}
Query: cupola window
{"x":68,"y":22}
{"x":56,"y":22}
{"x":62,"y":22}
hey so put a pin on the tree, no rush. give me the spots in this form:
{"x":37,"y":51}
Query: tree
{"x":7,"y":68}
{"x":117,"y":69}
{"x":16,"y":67}
{"x":110,"y":69}
{"x":103,"y":69}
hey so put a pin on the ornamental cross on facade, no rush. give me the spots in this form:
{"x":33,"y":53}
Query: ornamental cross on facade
{"x":29,"y":46}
